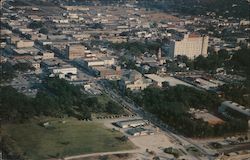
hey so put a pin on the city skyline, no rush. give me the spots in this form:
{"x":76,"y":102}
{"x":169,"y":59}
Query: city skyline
{"x":125,"y":80}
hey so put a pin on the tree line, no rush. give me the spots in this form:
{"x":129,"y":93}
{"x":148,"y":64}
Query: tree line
{"x":57,"y":98}
{"x":137,"y":48}
{"x":236,"y":63}
{"x":9,"y":71}
{"x":172,"y":105}
{"x":226,"y":8}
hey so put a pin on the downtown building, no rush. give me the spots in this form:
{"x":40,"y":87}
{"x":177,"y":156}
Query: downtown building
{"x":192,"y":45}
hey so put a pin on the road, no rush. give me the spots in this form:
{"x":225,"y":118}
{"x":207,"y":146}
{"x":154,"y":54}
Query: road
{"x":101,"y":154}
{"x":179,"y":139}
{"x":126,"y":102}
{"x":235,"y":148}
{"x":129,"y":104}
{"x":239,"y":157}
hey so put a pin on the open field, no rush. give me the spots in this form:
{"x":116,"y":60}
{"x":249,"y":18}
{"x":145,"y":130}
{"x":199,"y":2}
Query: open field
{"x":64,"y":137}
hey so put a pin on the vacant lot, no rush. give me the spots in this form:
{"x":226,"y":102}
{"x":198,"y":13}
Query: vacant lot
{"x":63,"y":137}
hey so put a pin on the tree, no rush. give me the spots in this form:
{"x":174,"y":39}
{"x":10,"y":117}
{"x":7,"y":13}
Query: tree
{"x":14,"y":105}
{"x":200,"y":62}
{"x":43,"y":30}
{"x":23,"y":67}
{"x":7,"y":72}
{"x":35,"y":24}
{"x":223,"y":54}
{"x":152,"y":70}
{"x":85,"y":112}
{"x":182,"y":58}
{"x":56,"y":98}
{"x":113,"y":108}
{"x":171,"y":105}
{"x":96,"y":26}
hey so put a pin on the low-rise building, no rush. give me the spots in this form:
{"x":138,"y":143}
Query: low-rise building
{"x":24,"y":51}
{"x":91,"y":62}
{"x":156,"y":79}
{"x":75,"y":51}
{"x":132,"y":123}
{"x":47,"y":55}
{"x":65,"y":72}
{"x":24,"y":44}
{"x":231,"y":109}
{"x":50,"y":63}
{"x":134,"y":81}
{"x":107,"y":72}
{"x":139,"y":132}
{"x":3,"y":59}
{"x":234,"y":107}
{"x":35,"y":64}
{"x":205,"y":116}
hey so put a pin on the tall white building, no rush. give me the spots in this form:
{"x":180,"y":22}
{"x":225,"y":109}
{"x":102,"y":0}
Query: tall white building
{"x":1,"y":3}
{"x":192,"y":45}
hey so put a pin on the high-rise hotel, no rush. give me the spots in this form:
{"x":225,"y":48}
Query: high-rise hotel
{"x":192,"y":45}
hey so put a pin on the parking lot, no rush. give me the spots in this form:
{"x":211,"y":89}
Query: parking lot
{"x":149,"y":145}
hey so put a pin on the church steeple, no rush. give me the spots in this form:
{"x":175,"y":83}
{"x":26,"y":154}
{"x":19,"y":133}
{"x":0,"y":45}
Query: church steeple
{"x":159,"y":54}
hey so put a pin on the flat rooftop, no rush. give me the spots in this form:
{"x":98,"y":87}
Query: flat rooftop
{"x":207,"y":117}
{"x":155,"y":77}
{"x":237,"y":107}
{"x":26,"y":50}
{"x":132,"y":121}
{"x":174,"y":81}
{"x":171,"y":80}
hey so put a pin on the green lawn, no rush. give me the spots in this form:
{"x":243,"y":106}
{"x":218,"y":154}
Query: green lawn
{"x":71,"y":138}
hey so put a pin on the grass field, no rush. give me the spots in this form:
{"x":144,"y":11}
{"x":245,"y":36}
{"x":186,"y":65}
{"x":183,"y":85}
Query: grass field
{"x":64,"y":139}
